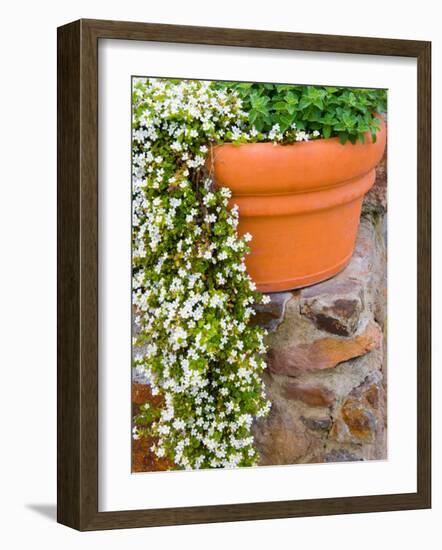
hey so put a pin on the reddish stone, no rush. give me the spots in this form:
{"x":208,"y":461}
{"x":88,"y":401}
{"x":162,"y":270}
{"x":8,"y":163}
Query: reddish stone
{"x":372,"y":395}
{"x":323,"y":353}
{"x":315,"y":395}
{"x":141,"y":393}
{"x":360,"y":419}
{"x":143,"y":459}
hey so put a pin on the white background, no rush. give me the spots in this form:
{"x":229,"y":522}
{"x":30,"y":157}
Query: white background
{"x":28,"y":314}
{"x":118,"y":488}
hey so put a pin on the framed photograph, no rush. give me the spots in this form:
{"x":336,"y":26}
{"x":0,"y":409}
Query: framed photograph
{"x":243,"y":274}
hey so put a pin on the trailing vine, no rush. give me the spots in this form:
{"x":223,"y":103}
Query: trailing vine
{"x":191,"y":291}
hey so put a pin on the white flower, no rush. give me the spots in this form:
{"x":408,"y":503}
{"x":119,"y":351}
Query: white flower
{"x":179,"y":424}
{"x":164,"y":429}
{"x":302,"y":136}
{"x":275,"y":133}
{"x":179,"y":335}
{"x":191,"y":347}
{"x":176,"y":146}
{"x":208,"y":199}
{"x":217,"y":300}
{"x":159,"y":452}
{"x":226,"y":192}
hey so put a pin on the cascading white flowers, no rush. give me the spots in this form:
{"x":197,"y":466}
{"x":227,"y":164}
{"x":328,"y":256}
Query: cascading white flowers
{"x":192,"y":295}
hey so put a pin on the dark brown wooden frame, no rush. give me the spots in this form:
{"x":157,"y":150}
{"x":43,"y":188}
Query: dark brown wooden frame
{"x":78,"y":267}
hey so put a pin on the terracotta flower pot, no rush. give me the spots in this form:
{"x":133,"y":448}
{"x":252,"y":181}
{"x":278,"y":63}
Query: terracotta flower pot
{"x":300,"y":202}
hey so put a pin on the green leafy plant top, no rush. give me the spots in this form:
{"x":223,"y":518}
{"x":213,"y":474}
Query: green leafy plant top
{"x":292,"y":111}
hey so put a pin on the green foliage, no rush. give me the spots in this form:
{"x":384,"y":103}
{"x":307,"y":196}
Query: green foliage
{"x":347,"y":113}
{"x":146,"y":416}
{"x":193,"y":298}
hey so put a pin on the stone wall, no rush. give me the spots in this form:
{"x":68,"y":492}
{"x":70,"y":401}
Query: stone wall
{"x":326,"y":375}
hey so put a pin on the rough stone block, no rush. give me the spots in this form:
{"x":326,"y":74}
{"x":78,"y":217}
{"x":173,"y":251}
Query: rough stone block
{"x":271,"y":315}
{"x":334,"y":306}
{"x":282,"y":438}
{"x":362,"y":416}
{"x":317,"y":423}
{"x":323,"y":353}
{"x":315,"y":395}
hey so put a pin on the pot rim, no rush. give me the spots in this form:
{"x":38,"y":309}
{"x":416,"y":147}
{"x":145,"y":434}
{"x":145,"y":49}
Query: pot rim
{"x":265,"y":169}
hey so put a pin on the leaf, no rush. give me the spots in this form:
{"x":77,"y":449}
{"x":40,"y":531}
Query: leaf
{"x":283,"y":87}
{"x":259,"y":124}
{"x":326,"y":132}
{"x":331,"y":110}
{"x":290,"y":97}
{"x":304,"y":103}
{"x":284,"y":122}
{"x":280,"y":106}
{"x":314,"y":114}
